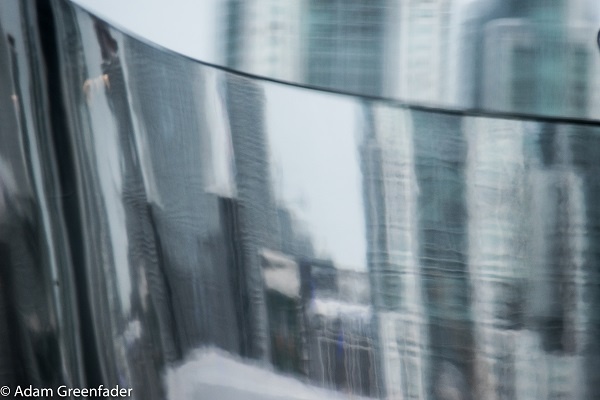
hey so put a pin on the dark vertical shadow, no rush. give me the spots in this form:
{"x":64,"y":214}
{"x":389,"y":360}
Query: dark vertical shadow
{"x":63,"y":149}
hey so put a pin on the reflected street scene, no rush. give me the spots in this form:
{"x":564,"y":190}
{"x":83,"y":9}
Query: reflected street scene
{"x":334,"y":200}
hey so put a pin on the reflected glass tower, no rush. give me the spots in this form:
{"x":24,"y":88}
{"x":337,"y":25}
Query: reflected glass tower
{"x":425,"y":32}
{"x":330,"y":43}
{"x":217,"y":240}
{"x":538,"y":58}
{"x":345,"y":43}
{"x":393,"y":255}
{"x":264,"y":36}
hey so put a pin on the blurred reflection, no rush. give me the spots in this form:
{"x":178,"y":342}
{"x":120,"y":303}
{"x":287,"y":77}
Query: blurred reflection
{"x":248,"y":239}
{"x":39,"y":337}
{"x":525,"y":57}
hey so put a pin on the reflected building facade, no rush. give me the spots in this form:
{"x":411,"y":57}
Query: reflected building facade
{"x":441,"y":152}
{"x":530,"y":279}
{"x":480,"y":256}
{"x":264,"y":35}
{"x":345,"y":44}
{"x":482,"y":231}
{"x":423,"y":49}
{"x":183,"y":284}
{"x":447,"y":282}
{"x":393,"y":261}
{"x":257,"y":213}
{"x":541,"y":62}
{"x":538,"y":59}
{"x":323,"y":43}
{"x":497,"y":251}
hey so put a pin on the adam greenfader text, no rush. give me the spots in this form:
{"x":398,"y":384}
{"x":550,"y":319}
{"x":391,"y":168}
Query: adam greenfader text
{"x":64,"y":391}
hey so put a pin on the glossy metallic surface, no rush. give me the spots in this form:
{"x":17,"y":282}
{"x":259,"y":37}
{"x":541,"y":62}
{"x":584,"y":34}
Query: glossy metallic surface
{"x":516,"y":56}
{"x":39,"y":329}
{"x":231,"y":237}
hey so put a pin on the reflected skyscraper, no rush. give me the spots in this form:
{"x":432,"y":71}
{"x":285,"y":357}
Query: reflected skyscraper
{"x":441,"y":152}
{"x":257,"y":211}
{"x":538,"y":59}
{"x":530,"y":280}
{"x":541,"y":62}
{"x":264,"y":36}
{"x":345,"y":44}
{"x":497,"y":250}
{"x":395,"y":272}
{"x":325,"y":43}
{"x":182,"y":285}
{"x":423,"y":38}
{"x":414,"y":171}
{"x":204,"y":212}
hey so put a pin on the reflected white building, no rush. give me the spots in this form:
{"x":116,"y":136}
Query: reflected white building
{"x":264,"y":37}
{"x":528,"y":247}
{"x":528,"y":70}
{"x":391,"y":208}
{"x":498,"y":253}
{"x":423,"y":42}
{"x":346,"y":44}
{"x":539,"y":59}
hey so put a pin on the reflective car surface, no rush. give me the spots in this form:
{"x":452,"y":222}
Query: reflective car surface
{"x":192,"y":231}
{"x":528,"y":57}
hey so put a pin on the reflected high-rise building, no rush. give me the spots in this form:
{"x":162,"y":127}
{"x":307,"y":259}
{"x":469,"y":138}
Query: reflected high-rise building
{"x":441,"y":152}
{"x":345,"y":44}
{"x":538,"y":61}
{"x":258,"y":228}
{"x":518,"y":55}
{"x":264,"y":37}
{"x":189,"y":271}
{"x":538,"y":58}
{"x":530,"y":261}
{"x":481,"y":256}
{"x":498,"y":256}
{"x":552,"y":348}
{"x":421,"y":45}
{"x":414,"y":175}
{"x":390,"y":192}
{"x":324,"y":43}
{"x":482,"y":232}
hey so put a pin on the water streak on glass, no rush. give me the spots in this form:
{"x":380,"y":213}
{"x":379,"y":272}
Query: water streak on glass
{"x":191,"y":232}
